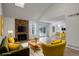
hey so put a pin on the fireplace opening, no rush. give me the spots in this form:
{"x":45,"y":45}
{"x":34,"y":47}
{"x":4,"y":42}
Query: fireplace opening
{"x":22,"y":37}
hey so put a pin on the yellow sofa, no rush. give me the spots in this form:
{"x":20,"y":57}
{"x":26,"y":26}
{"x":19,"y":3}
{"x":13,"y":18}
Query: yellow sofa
{"x":54,"y":49}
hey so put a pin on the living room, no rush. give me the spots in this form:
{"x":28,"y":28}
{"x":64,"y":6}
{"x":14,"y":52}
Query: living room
{"x":43,"y":22}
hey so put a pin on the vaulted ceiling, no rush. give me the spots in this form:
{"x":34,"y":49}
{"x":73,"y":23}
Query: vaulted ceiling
{"x":30,"y":11}
{"x":40,"y":11}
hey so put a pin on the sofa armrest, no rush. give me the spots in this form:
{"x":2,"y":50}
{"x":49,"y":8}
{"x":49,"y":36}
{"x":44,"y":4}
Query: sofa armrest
{"x":18,"y":52}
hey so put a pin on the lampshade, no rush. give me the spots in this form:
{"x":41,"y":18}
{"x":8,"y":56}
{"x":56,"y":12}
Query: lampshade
{"x":10,"y":31}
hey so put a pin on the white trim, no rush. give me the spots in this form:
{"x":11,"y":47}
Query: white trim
{"x":73,"y":47}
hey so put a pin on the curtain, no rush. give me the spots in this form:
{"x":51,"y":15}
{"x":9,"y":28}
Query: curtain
{"x":1,"y":25}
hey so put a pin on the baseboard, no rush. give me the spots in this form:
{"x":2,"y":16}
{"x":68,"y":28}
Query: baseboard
{"x":73,"y":47}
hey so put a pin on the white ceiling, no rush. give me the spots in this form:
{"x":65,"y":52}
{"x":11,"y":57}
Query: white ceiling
{"x":40,"y":11}
{"x":31,"y":11}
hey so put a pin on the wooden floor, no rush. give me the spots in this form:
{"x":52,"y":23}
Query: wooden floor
{"x":68,"y":52}
{"x":71,"y":52}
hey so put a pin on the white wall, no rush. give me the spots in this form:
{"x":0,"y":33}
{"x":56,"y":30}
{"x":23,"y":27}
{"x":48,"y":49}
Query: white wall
{"x":0,"y":9}
{"x":9,"y":24}
{"x":73,"y":32}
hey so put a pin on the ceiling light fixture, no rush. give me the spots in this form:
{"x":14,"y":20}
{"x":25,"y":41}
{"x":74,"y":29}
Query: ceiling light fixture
{"x":20,"y":5}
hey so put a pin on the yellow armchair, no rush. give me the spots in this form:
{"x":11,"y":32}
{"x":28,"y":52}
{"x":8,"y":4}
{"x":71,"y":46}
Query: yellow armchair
{"x":54,"y":49}
{"x":63,"y":35}
{"x":12,"y":45}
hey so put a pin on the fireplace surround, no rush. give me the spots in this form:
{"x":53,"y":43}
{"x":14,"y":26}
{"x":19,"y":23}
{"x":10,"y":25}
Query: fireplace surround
{"x":21,"y":29}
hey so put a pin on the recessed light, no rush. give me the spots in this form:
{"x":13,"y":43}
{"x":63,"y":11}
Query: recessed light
{"x":20,"y":5}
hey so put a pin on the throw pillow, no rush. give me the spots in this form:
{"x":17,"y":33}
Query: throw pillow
{"x":11,"y":40}
{"x":56,"y":41}
{"x":4,"y":44}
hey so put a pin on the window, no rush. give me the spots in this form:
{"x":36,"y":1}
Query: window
{"x":42,"y":30}
{"x":33,"y":29}
{"x":53,"y":28}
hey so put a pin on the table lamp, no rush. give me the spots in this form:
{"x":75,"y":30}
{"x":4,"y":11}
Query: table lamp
{"x":10,"y":32}
{"x":11,"y":38}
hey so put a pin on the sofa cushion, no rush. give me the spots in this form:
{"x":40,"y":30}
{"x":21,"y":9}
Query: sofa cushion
{"x":56,"y":41}
{"x":11,"y":40}
{"x":13,"y":46}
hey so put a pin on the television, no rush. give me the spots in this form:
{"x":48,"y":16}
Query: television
{"x":21,"y":29}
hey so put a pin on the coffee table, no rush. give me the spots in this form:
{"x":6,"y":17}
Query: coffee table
{"x":34,"y":45}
